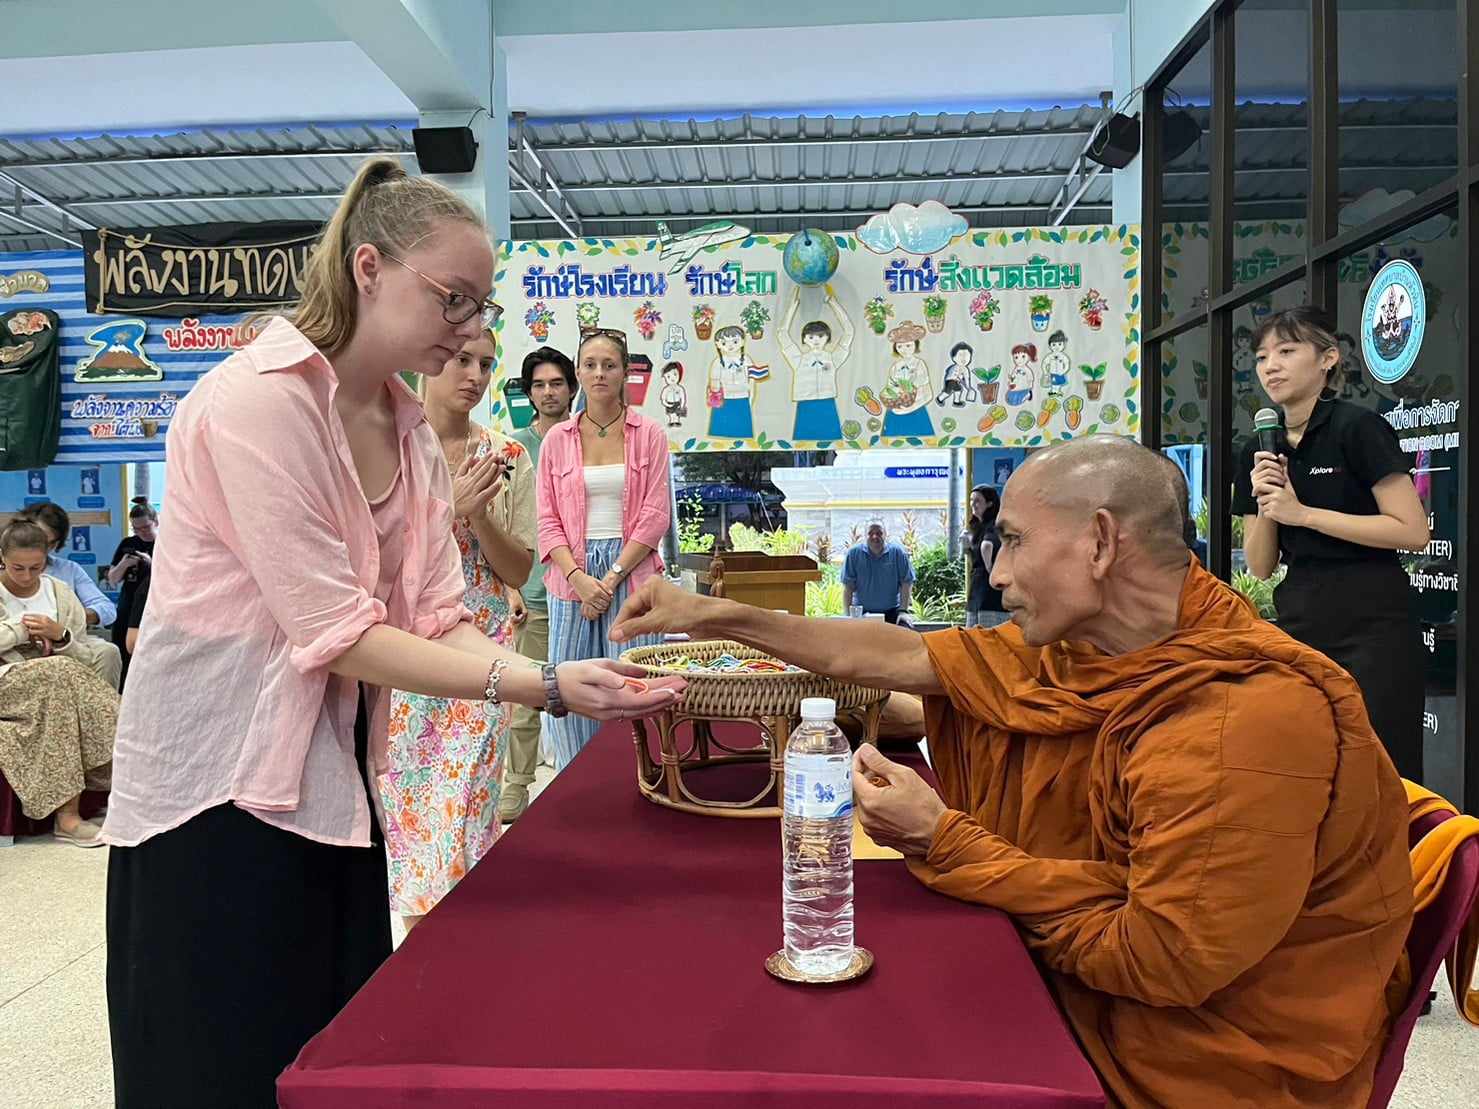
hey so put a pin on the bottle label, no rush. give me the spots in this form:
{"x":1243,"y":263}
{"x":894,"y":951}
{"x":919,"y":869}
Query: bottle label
{"x":818,"y":786}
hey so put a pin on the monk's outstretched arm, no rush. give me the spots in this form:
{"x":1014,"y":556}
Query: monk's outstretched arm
{"x":1224,"y":801}
{"x":868,"y":652}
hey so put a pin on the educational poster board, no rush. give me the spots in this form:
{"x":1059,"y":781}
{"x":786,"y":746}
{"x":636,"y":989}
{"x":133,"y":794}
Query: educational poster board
{"x":1011,"y":338}
{"x":122,"y":377}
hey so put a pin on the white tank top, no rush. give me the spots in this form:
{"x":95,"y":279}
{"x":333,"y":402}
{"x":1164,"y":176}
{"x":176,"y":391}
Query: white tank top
{"x":603,"y":489}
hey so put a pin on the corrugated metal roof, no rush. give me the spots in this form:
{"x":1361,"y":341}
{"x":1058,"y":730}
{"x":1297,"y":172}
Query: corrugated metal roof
{"x":776,"y":174}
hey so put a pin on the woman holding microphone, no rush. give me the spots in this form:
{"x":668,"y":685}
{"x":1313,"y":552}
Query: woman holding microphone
{"x":1336,"y":507}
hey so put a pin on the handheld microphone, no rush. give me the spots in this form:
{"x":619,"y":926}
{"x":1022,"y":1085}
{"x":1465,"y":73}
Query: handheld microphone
{"x":1270,"y":427}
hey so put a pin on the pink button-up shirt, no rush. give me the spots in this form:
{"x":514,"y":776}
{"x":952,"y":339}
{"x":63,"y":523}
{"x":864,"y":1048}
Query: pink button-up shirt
{"x":265,"y":571}
{"x":646,"y":498}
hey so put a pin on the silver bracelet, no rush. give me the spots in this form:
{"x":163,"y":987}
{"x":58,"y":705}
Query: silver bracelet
{"x":495,"y":675}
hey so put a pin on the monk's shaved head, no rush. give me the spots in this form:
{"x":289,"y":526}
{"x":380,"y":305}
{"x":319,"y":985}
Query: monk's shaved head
{"x":1094,"y":543}
{"x":1143,"y":489}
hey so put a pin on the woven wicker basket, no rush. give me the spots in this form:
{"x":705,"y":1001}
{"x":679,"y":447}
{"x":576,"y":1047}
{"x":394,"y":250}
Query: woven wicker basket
{"x":742,"y":696}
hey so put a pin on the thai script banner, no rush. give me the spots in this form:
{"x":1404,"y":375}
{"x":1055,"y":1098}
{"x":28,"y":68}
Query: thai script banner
{"x":189,"y":270}
{"x":1013,"y":337}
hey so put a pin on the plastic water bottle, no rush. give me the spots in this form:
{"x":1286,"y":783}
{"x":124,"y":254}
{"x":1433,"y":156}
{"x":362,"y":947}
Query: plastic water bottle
{"x":816,"y":833}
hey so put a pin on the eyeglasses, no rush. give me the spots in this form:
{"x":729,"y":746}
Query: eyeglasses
{"x":458,"y":307}
{"x":587,"y":333}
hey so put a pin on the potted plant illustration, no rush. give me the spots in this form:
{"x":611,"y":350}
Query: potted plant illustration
{"x":1094,"y":379}
{"x":588,"y":314}
{"x":1091,"y":307}
{"x":703,"y":320}
{"x":990,"y":383}
{"x":647,"y":317}
{"x":1041,"y":307}
{"x":934,"y":313}
{"x":539,"y":319}
{"x":984,"y":309}
{"x":754,"y":316}
{"x":877,"y":312}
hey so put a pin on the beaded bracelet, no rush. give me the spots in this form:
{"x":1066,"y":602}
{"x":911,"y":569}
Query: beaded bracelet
{"x":495,"y":675}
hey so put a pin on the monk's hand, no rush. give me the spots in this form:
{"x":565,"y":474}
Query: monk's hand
{"x":655,"y":608}
{"x":896,"y":806}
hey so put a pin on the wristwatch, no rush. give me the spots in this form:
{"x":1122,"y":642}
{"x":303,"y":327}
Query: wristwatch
{"x":554,"y":704}
{"x":616,"y":568}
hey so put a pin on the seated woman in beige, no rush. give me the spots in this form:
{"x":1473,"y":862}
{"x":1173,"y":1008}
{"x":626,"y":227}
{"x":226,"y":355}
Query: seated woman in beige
{"x":57,"y":716}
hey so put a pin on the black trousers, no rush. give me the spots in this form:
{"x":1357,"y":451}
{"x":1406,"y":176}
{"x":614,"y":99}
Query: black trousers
{"x":1360,"y":616}
{"x":231,"y":943}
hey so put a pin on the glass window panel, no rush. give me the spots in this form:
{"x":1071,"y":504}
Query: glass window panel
{"x":1184,"y":422}
{"x":1398,"y":64}
{"x":1424,"y":405}
{"x":1184,"y":184}
{"x":1271,"y":141}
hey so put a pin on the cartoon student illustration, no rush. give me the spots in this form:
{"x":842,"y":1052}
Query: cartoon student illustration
{"x":1019,"y":377}
{"x":907,"y":390}
{"x":1055,"y":366}
{"x":1243,"y":359}
{"x":674,"y":399}
{"x":814,"y":367}
{"x":959,"y":386}
{"x":731,"y":384}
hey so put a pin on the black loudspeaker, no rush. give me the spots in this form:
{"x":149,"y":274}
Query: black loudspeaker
{"x":1116,"y":142}
{"x":1179,"y":133}
{"x":445,"y":149}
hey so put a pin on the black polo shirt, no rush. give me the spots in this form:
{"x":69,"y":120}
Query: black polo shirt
{"x":1346,"y":449}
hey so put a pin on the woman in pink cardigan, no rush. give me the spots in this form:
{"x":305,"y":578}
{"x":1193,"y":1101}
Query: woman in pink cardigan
{"x":604,"y":506}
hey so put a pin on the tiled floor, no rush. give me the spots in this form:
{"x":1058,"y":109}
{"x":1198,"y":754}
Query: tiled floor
{"x":53,"y":1022}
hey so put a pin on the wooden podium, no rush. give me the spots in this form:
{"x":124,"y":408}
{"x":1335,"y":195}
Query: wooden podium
{"x":755,"y":578}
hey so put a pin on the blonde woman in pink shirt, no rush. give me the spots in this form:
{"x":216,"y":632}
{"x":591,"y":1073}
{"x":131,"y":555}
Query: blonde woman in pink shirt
{"x":604,"y":506}
{"x":307,"y":565}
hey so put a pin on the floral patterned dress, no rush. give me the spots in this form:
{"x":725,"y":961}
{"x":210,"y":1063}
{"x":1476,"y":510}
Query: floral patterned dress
{"x":440,"y":794}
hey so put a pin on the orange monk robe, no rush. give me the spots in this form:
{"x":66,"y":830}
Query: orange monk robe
{"x":1202,"y":841}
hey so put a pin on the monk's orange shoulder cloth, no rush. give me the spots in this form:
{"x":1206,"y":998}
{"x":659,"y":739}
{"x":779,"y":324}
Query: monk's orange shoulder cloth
{"x":1202,"y":841}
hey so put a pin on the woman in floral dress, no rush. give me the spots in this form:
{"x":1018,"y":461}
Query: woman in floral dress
{"x":440,"y":792}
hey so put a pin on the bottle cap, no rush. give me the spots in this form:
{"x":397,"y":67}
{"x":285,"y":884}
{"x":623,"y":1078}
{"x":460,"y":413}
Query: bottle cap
{"x":818,"y":708}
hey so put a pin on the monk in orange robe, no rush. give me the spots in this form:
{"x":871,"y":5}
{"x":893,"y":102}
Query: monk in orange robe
{"x":1185,"y":811}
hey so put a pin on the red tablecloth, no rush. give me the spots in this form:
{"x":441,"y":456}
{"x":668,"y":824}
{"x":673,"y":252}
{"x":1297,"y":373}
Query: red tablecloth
{"x":609,"y":952}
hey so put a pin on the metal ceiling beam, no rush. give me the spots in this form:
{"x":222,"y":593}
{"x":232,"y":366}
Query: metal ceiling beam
{"x":45,"y":201}
{"x":530,"y":171}
{"x":1063,"y":203}
{"x":203,"y":156}
{"x":754,"y":142}
{"x":5,"y":213}
{"x":849,"y":213}
{"x":543,"y":201}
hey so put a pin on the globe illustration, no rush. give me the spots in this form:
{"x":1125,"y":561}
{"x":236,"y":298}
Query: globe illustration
{"x":810,"y":257}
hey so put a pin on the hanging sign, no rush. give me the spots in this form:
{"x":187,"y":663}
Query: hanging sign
{"x":189,"y":270}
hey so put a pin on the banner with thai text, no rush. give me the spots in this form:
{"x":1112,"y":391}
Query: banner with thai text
{"x":194,"y":269}
{"x":1003,"y":338}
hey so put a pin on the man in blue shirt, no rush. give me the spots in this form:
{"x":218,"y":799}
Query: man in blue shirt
{"x":877,"y":574}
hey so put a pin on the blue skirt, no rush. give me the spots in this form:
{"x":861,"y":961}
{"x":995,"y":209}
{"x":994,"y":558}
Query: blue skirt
{"x":817,"y":419}
{"x":731,"y":420}
{"x":916,"y":423}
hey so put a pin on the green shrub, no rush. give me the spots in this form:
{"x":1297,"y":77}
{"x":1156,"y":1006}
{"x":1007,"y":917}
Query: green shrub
{"x":936,"y":575}
{"x":1260,"y":592}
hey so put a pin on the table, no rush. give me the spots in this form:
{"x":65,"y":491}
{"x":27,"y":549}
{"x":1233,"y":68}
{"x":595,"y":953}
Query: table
{"x":608,"y":953}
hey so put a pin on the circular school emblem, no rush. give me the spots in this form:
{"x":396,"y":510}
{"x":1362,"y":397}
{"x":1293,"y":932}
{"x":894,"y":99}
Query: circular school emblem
{"x":1393,"y":321}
